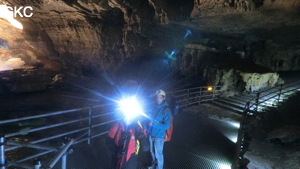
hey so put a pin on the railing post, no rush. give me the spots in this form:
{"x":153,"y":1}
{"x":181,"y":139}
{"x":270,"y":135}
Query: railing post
{"x":280,"y":89}
{"x":257,"y":102}
{"x":64,"y":161}
{"x":2,"y":152}
{"x":200,"y":95}
{"x":240,"y":142}
{"x":213,"y":95}
{"x":90,"y":124}
{"x":60,"y":154}
{"x":188,"y":96}
{"x":37,"y":164}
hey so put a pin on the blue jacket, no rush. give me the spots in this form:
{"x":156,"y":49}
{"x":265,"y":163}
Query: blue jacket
{"x":159,"y":130}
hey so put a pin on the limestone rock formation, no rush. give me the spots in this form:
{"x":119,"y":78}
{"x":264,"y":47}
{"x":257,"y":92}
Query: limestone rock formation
{"x":228,"y":69}
{"x":256,"y":81}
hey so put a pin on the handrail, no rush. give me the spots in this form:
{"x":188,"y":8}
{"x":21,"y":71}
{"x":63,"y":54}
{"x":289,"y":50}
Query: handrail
{"x":248,"y":106}
{"x":42,"y":115}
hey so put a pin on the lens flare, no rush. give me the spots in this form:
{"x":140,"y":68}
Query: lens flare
{"x":130,"y":108}
{"x":170,"y":56}
{"x":187,"y":33}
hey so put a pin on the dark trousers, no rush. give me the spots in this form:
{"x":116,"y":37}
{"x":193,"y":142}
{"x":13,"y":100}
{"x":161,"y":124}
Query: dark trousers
{"x":114,"y":158}
{"x":131,"y":163}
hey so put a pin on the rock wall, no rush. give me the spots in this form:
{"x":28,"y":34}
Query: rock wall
{"x":278,"y":57}
{"x":71,"y":37}
{"x":232,"y":71}
{"x":101,"y":34}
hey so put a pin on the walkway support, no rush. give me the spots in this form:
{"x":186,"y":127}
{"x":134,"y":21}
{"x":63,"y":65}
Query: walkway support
{"x":90,"y":124}
{"x":2,"y":153}
{"x":59,"y":154}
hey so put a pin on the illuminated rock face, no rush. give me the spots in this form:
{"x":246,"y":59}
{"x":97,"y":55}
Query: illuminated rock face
{"x":256,"y":81}
{"x":234,"y":81}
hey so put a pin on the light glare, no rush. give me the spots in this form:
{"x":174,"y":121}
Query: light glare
{"x":237,"y":125}
{"x":9,"y":16}
{"x":224,"y":166}
{"x":130,"y":109}
{"x":233,"y":138}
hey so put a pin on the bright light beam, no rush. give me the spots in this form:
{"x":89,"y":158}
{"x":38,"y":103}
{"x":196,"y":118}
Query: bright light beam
{"x":221,"y":165}
{"x":131,"y":109}
{"x":169,"y":74}
{"x":235,"y":124}
{"x":96,"y":93}
{"x":81,"y":98}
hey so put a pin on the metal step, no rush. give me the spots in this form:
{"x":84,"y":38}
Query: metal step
{"x":245,"y":100}
{"x":231,"y":103}
{"x":245,"y":96}
{"x":239,"y":101}
{"x":228,"y":107}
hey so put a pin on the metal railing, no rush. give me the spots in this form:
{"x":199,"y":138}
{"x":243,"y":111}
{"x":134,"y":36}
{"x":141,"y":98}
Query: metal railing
{"x":256,"y":105}
{"x":79,"y":125}
{"x":193,"y":96}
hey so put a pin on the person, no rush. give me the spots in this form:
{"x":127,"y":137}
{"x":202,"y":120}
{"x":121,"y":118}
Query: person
{"x":161,"y":120}
{"x":124,"y":143}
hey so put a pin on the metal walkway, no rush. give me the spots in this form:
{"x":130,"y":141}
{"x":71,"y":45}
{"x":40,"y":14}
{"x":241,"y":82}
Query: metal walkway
{"x":265,"y":98}
{"x":197,"y":143}
{"x":255,"y":104}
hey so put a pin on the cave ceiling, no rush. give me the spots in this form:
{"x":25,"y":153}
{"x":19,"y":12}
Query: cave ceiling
{"x":103,"y":34}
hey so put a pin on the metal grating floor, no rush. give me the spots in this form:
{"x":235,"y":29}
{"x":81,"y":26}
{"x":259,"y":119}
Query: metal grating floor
{"x":197,"y":143}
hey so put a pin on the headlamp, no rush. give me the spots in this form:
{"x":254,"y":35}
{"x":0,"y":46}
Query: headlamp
{"x":130,"y":108}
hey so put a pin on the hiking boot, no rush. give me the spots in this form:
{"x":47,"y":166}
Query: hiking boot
{"x":153,"y":166}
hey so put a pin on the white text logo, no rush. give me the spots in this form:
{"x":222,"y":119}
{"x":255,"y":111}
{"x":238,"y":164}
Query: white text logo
{"x":21,"y":11}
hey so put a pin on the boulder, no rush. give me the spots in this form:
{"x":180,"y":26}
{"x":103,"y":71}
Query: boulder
{"x":285,"y":134}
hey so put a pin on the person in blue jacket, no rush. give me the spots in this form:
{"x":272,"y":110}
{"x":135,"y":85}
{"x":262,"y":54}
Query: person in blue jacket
{"x":161,"y":116}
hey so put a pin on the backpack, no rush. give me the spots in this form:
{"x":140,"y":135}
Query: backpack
{"x":174,"y":106}
{"x":169,"y":131}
